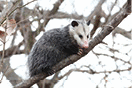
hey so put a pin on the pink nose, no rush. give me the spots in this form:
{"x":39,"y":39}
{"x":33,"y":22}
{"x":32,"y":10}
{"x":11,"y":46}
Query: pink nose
{"x":85,"y":45}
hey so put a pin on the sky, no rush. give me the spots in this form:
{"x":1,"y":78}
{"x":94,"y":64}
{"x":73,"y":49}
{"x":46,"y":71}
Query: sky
{"x":78,"y":79}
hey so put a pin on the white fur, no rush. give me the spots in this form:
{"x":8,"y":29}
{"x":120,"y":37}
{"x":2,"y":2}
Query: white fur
{"x":77,"y":30}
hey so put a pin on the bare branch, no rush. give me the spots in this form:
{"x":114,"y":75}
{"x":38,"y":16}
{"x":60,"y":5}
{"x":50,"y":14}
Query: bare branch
{"x":123,"y":32}
{"x":12,"y":6}
{"x":115,"y":58}
{"x":53,"y":11}
{"x":12,"y":50}
{"x":97,"y":10}
{"x":8,"y":10}
{"x":106,"y":30}
{"x":95,"y":72}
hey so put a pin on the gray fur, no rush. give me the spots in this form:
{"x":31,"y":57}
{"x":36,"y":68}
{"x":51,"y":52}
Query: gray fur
{"x":51,"y":48}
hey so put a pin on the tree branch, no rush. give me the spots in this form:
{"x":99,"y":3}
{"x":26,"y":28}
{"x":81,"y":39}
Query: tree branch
{"x":13,"y":50}
{"x":90,"y":71}
{"x":8,"y":10}
{"x":71,"y":59}
{"x":123,"y":32}
{"x":53,"y":11}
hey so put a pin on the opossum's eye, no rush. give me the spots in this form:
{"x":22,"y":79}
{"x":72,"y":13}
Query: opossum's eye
{"x":87,"y":36}
{"x":80,"y":36}
{"x":88,"y":23}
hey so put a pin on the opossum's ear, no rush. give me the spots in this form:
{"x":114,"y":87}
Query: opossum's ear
{"x":88,"y":23}
{"x":74,"y":23}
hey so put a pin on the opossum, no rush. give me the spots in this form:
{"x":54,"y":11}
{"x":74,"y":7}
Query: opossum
{"x":57,"y":44}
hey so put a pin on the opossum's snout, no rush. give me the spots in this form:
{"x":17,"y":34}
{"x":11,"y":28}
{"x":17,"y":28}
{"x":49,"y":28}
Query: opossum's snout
{"x":85,"y":45}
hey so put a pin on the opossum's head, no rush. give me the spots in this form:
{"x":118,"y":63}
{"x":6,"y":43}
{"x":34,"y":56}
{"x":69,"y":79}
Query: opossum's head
{"x":80,"y":32}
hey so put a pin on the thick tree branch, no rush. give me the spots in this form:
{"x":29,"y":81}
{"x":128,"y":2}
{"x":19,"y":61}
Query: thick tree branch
{"x":106,"y":30}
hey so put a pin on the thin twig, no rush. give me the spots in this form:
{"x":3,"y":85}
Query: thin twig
{"x":3,"y":74}
{"x":16,"y":9}
{"x":3,"y":54}
{"x":25,"y":4}
{"x":8,"y":14}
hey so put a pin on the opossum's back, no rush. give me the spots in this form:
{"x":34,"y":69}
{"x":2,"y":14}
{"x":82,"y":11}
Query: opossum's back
{"x":48,"y":46}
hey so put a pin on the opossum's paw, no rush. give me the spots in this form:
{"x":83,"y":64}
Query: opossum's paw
{"x":80,"y":52}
